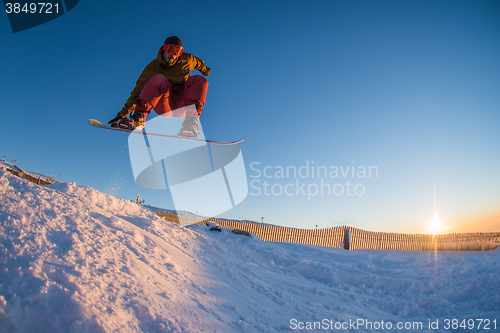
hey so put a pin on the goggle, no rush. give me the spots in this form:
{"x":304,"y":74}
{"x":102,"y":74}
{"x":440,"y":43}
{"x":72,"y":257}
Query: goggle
{"x":172,"y":49}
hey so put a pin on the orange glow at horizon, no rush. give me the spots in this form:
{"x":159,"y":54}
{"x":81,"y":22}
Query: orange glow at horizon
{"x":481,"y":224}
{"x":485,"y":223}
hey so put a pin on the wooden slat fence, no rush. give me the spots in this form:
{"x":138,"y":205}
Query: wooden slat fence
{"x":353,"y":238}
{"x":331,"y":237}
{"x":362,"y":239}
{"x":17,"y":171}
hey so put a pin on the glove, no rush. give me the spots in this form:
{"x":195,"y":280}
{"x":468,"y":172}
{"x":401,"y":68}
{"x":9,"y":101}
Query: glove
{"x":120,"y":117}
{"x":116,"y":119}
{"x":207,"y":72}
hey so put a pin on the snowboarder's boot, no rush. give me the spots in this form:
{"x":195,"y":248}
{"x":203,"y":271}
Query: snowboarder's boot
{"x":122,"y":122}
{"x":137,"y":120}
{"x":190,"y":127}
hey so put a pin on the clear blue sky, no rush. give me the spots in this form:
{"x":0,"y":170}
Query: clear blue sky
{"x":409,"y":87}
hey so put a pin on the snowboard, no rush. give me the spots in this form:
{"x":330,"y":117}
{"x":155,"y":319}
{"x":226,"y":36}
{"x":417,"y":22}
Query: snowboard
{"x":98,"y":124}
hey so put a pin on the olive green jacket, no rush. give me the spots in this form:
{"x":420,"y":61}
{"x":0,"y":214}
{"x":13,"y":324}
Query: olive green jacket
{"x":177,"y":74}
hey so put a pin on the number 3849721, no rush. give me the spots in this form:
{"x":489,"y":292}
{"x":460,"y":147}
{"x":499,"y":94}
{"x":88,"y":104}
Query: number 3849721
{"x":484,"y":324}
{"x":32,"y":8}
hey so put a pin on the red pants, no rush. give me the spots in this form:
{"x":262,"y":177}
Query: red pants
{"x":157,"y":94}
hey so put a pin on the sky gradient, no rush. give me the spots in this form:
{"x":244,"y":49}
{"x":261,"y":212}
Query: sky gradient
{"x":409,"y":88}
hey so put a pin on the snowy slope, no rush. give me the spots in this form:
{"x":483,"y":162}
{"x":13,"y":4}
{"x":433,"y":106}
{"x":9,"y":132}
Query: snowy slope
{"x":73,"y":259}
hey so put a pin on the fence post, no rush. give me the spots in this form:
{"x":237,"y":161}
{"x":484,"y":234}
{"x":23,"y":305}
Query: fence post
{"x":347,"y":238}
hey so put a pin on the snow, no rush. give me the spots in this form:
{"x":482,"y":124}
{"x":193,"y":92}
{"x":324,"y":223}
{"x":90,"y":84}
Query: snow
{"x":73,"y":259}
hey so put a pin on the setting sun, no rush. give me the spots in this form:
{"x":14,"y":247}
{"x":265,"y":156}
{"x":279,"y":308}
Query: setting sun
{"x":435,"y":225}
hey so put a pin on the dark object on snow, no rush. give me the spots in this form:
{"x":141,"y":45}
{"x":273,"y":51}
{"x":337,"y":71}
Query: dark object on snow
{"x":241,"y":232}
{"x":216,"y":229}
{"x":347,"y":238}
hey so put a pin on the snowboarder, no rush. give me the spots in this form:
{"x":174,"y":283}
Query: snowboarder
{"x":167,"y":86}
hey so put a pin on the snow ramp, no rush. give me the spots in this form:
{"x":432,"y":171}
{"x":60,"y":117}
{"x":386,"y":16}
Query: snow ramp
{"x":73,"y":259}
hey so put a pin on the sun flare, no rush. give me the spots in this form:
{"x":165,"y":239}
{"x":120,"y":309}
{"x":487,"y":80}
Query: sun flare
{"x":435,"y":225}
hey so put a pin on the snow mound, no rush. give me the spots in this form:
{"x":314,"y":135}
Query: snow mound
{"x":73,"y":259}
